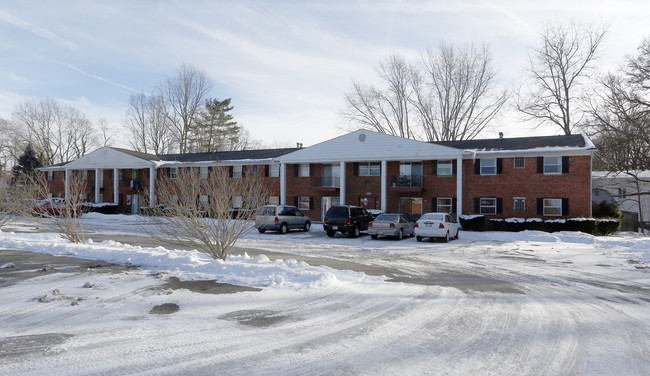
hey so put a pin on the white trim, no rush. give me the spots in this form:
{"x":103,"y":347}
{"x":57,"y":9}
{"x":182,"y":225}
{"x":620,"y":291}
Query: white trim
{"x":459,"y":187}
{"x":283,"y":184}
{"x":342,"y":180}
{"x":384,"y":185}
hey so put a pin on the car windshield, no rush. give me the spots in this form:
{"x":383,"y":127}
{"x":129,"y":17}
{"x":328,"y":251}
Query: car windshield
{"x":432,"y":217}
{"x":337,"y":212}
{"x":387,"y":218}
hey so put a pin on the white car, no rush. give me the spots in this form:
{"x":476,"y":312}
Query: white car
{"x":436,"y":225}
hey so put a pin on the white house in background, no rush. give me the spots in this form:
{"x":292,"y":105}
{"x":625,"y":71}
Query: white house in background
{"x":625,"y":189}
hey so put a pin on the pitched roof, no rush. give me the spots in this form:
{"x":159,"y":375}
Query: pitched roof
{"x":520,"y":143}
{"x":227,"y":155}
{"x":137,"y":154}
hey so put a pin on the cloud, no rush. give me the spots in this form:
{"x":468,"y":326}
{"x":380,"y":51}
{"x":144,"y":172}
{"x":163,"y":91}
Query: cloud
{"x":38,"y":31}
{"x":99,"y":78}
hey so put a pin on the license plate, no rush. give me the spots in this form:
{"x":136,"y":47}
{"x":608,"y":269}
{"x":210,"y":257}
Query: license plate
{"x":428,"y":225}
{"x":335,"y":227}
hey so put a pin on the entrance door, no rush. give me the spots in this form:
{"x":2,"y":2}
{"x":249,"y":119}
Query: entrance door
{"x":368,"y":202}
{"x":326,"y":203}
{"x":411,"y":206}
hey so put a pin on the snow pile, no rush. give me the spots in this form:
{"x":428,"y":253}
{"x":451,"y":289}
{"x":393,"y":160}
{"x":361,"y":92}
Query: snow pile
{"x":186,"y":265}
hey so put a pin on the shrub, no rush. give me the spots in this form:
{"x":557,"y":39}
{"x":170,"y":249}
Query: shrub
{"x":473,"y":222}
{"x":607,"y":226}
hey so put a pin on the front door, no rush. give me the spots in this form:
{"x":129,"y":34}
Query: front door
{"x":411,"y":206}
{"x":326,"y":203}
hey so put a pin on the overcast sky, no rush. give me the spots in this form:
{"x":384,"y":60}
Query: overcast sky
{"x":285,"y":64}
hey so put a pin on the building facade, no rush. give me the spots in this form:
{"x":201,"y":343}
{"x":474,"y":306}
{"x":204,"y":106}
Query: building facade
{"x":544,"y":177}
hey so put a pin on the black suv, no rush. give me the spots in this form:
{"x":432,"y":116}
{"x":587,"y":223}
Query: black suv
{"x":346,"y":218}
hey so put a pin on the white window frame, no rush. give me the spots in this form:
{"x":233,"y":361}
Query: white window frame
{"x":204,"y":200}
{"x":481,"y":206}
{"x":303,"y":170}
{"x":549,"y":168}
{"x":522,"y":160}
{"x":369,"y":169}
{"x":554,"y":205}
{"x":50,"y":175}
{"x":274,"y":170}
{"x":237,"y":171}
{"x":254,"y":169}
{"x":521,"y":200}
{"x":173,"y":172}
{"x":303,"y":202}
{"x":274,"y":200}
{"x":450,"y":205}
{"x":204,"y":172}
{"x":237,"y":202}
{"x":445,"y":168}
{"x":84,"y":174}
{"x":485,"y":167}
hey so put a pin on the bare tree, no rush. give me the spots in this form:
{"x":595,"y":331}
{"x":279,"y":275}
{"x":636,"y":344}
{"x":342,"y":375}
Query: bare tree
{"x":148,"y":124}
{"x":559,"y":67}
{"x":383,"y":110}
{"x":184,"y":96}
{"x":455,"y":93}
{"x":5,"y":202}
{"x":107,"y":133}
{"x":58,"y":133}
{"x":211,"y":212}
{"x":32,"y":198}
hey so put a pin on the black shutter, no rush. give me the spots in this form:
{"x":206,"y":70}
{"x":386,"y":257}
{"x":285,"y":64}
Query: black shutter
{"x":243,"y":171}
{"x":157,"y":173}
{"x":169,"y":172}
{"x":311,"y":202}
{"x":355,"y":168}
{"x":499,"y":205}
{"x":540,"y":206}
{"x":477,"y":205}
{"x":499,"y":165}
{"x":540,"y":165}
{"x":565,"y":206}
{"x":454,"y":166}
{"x":434,"y":169}
{"x":230,"y":168}
{"x":477,"y":167}
{"x":295,"y":169}
{"x":565,"y":165}
{"x":266,"y":171}
{"x":311,"y":169}
{"x":434,"y":204}
{"x":454,"y":203}
{"x":295,"y":201}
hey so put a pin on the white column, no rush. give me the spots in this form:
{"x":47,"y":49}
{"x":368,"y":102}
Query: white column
{"x":342,"y":178}
{"x":67,"y":184}
{"x":98,"y":173}
{"x":384,"y":186}
{"x":283,"y":184}
{"x":116,"y":186}
{"x":152,"y":186}
{"x":459,"y":187}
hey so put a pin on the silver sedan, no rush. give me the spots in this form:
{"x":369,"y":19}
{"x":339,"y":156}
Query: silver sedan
{"x":396,"y":225}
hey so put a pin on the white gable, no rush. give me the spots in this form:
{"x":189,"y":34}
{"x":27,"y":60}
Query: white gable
{"x":108,"y":158}
{"x":366,"y":145}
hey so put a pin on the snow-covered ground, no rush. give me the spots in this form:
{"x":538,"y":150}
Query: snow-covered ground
{"x":488,"y":304}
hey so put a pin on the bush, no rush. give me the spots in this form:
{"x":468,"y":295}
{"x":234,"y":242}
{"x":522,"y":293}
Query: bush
{"x":607,"y":226}
{"x":606,"y":210}
{"x":473,"y":222}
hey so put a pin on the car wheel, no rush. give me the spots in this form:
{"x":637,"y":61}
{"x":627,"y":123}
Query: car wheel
{"x":446,"y":238}
{"x":355,"y":231}
{"x":307,"y":226}
{"x":400,"y":234}
{"x":284,"y":228}
{"x":261,"y":230}
{"x":373,"y":236}
{"x":331,"y":233}
{"x":418,"y":238}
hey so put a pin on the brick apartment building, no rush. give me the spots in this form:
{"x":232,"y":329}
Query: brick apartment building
{"x":545,"y":177}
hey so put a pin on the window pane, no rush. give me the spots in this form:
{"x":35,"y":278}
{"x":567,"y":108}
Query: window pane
{"x":444,"y":204}
{"x":445,"y":168}
{"x":520,"y":204}
{"x":303,"y":202}
{"x":488,"y":166}
{"x":552,"y":165}
{"x":488,"y":206}
{"x":519,"y":162}
{"x":274,"y":170}
{"x":236,"y":171}
{"x":552,"y":206}
{"x":303,"y":170}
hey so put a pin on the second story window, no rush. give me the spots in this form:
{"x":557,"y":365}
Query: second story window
{"x":552,"y":165}
{"x":369,"y":169}
{"x":274,"y":170}
{"x":237,"y":171}
{"x":445,"y":168}
{"x":204,"y":172}
{"x":173,"y":173}
{"x":303,"y":170}
{"x":410,"y":174}
{"x":489,"y":166}
{"x":520,"y":162}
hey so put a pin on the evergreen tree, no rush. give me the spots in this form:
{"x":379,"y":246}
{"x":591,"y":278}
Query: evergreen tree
{"x":216,"y":130}
{"x":28,"y":163}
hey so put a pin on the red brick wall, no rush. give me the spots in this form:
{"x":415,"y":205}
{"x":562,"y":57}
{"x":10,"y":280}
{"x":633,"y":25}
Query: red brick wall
{"x":526,"y":182}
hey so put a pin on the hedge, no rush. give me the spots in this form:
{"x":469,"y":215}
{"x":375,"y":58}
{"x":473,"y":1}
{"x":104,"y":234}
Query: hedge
{"x":586,"y":225}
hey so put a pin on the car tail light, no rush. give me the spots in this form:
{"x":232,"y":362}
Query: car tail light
{"x":277,"y":219}
{"x":370,"y":224}
{"x":349,"y":221}
{"x":392,"y":225}
{"x":416,"y":224}
{"x":441,"y":226}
